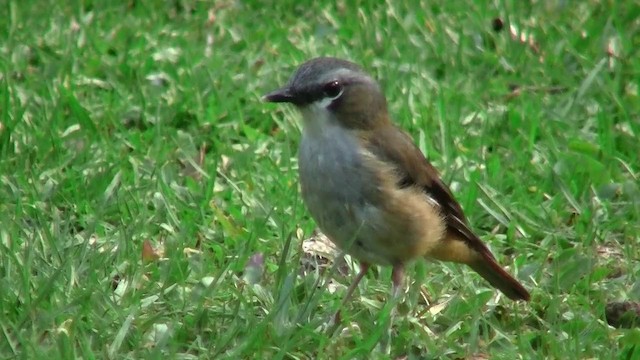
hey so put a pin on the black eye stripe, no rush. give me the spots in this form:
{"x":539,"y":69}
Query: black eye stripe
{"x":314,"y":92}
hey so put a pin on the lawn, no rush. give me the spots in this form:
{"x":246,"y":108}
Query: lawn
{"x":149,"y":203}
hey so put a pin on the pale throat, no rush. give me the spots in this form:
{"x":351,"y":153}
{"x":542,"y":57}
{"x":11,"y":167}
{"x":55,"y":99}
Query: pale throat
{"x":318,"y":120}
{"x":325,"y":142}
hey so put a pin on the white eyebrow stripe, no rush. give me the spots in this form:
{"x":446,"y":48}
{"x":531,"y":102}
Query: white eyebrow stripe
{"x":346,"y":74}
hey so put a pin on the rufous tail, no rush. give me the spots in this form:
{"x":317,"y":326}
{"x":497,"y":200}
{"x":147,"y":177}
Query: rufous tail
{"x":475,"y":254}
{"x":489,"y":269}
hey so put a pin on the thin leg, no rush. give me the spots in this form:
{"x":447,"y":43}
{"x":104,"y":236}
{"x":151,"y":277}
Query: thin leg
{"x":397,"y":279}
{"x":363,"y":271}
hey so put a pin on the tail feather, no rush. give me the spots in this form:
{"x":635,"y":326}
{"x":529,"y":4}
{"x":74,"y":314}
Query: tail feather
{"x":475,"y":254}
{"x":491,"y":271}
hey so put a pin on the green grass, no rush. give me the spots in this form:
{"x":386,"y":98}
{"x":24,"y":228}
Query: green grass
{"x":107,"y":107}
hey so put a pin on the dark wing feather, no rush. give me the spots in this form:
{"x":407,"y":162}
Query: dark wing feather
{"x":396,"y":147}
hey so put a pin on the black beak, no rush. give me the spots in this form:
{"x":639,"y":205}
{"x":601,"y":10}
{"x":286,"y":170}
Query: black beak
{"x":282,"y":95}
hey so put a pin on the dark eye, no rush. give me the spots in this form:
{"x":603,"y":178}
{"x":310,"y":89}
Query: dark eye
{"x":332,"y":89}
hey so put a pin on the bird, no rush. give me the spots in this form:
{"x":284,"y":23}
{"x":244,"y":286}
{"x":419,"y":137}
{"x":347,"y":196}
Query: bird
{"x":368,"y":186}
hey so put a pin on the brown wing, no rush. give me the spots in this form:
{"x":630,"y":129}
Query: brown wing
{"x":397,"y":148}
{"x":394,"y":146}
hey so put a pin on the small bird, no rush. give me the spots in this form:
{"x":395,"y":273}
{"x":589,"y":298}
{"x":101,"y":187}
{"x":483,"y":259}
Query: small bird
{"x":367,"y":185}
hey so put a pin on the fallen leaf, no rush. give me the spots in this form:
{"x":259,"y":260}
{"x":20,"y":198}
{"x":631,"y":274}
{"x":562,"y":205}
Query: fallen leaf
{"x":149,"y":254}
